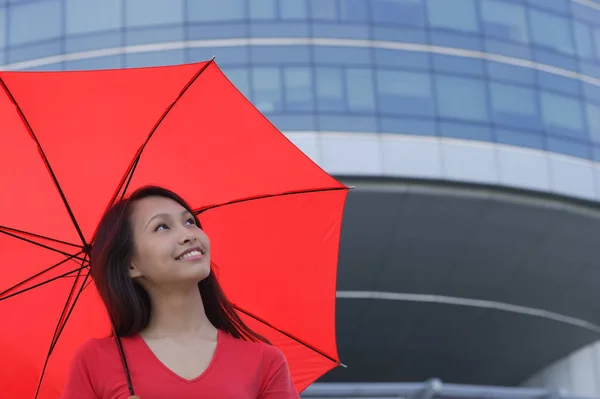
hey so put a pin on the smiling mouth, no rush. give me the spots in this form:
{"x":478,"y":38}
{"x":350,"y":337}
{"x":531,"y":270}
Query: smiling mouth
{"x":192,"y":253}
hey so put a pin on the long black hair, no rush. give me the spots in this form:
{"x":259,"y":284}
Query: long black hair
{"x":127,"y":302}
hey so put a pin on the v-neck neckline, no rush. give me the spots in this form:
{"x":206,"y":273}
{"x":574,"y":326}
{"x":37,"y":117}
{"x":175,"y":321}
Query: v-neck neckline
{"x":174,"y":374}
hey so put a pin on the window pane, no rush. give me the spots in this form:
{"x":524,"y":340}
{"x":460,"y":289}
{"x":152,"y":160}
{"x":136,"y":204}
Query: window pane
{"x":153,"y":12}
{"x":354,"y":10}
{"x":2,"y":27}
{"x":407,"y":93}
{"x":504,"y":20}
{"x":266,"y":83}
{"x":93,"y":15}
{"x":45,"y":16}
{"x":239,"y":78}
{"x":402,"y":12}
{"x":552,"y":31}
{"x":597,"y":41}
{"x":461,"y":98}
{"x":359,"y":83}
{"x":210,"y":10}
{"x":264,"y":9}
{"x":593,"y":121}
{"x":330,"y":89}
{"x":298,"y":89}
{"x":324,"y":9}
{"x":514,"y":106}
{"x":292,"y":9}
{"x":562,"y":115}
{"x":583,"y":40}
{"x":158,"y":58}
{"x":455,"y":14}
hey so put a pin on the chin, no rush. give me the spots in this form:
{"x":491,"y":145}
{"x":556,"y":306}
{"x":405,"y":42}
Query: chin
{"x":201,"y":273}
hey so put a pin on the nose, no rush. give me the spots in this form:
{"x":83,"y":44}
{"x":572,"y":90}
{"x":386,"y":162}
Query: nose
{"x":186,"y":239}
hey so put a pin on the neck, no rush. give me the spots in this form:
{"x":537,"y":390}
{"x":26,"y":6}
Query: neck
{"x":178,"y":313}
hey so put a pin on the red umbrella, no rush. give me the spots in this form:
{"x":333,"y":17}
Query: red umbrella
{"x":71,"y":143}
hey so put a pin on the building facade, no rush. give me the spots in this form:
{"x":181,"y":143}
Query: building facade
{"x":471,"y":129}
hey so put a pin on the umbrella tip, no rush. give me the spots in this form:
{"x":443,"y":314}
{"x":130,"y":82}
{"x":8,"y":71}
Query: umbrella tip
{"x":351,"y":187}
{"x":213,"y":57}
{"x":343,"y":365}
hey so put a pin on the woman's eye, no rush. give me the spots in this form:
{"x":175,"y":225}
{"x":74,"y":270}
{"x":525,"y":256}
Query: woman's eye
{"x":191,"y":221}
{"x":161,"y":226}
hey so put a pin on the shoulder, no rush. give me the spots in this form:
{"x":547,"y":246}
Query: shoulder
{"x":266,"y":353}
{"x":94,"y":346}
{"x":95,"y":350}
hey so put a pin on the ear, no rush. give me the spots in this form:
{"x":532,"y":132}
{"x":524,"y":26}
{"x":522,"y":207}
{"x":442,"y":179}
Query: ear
{"x":133,"y":270}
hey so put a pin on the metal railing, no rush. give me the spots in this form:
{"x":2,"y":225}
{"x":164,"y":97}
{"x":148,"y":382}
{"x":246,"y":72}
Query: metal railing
{"x":432,"y":389}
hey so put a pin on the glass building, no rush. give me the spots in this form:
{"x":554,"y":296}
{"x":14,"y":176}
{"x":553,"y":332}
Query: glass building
{"x":487,"y":93}
{"x":493,"y":70}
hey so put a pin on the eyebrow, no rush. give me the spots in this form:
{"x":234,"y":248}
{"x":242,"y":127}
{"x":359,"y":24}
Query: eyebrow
{"x":165,"y":215}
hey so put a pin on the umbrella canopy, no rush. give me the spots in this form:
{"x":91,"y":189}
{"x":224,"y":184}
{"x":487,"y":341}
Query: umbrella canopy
{"x":72,"y":143}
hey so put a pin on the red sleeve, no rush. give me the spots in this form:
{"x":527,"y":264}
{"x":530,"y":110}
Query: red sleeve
{"x":278,"y":380}
{"x":79,"y":383}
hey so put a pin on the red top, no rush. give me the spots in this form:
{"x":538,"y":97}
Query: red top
{"x":239,"y":369}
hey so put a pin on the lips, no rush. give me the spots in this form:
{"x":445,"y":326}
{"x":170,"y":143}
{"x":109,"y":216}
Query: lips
{"x":190,"y":253}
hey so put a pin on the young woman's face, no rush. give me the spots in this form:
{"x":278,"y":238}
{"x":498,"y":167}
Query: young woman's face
{"x":169,"y":247}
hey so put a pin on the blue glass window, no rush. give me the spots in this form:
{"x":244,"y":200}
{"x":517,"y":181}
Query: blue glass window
{"x":402,"y":12}
{"x":93,"y":41}
{"x":266,"y":85}
{"x":354,"y":10}
{"x":292,"y":9}
{"x":330,"y":89}
{"x":2,"y":27}
{"x":562,"y":115}
{"x":111,"y":62}
{"x":37,"y":50}
{"x":359,"y":83}
{"x":45,"y":16}
{"x":520,"y":138}
{"x":93,"y":16}
{"x":549,"y":30}
{"x":592,"y":113}
{"x":158,"y":58}
{"x":210,"y":10}
{"x":583,"y":40}
{"x":298,"y":89}
{"x":405,"y":93}
{"x":154,"y":34}
{"x":561,"y":6}
{"x":458,"y":15}
{"x":461,"y":98}
{"x":597,"y":41}
{"x":504,"y":20}
{"x":514,"y":106}
{"x":153,"y":12}
{"x":342,"y":55}
{"x":325,"y":10}
{"x":240,"y":79}
{"x":264,"y":9}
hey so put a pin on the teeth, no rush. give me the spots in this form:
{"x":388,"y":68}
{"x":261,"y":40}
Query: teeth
{"x":189,"y":255}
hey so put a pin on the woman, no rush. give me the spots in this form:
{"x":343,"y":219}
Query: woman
{"x":175,"y":334}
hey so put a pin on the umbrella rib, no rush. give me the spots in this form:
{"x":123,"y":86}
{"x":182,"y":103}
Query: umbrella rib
{"x":39,"y":236}
{"x":126,"y":180}
{"x":45,"y":159}
{"x":301,"y":342}
{"x":2,"y":297}
{"x":258,"y":197}
{"x":66,"y":313}
{"x":38,"y":243}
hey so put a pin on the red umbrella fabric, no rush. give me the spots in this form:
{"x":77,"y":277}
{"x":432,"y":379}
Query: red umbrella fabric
{"x":71,"y":143}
